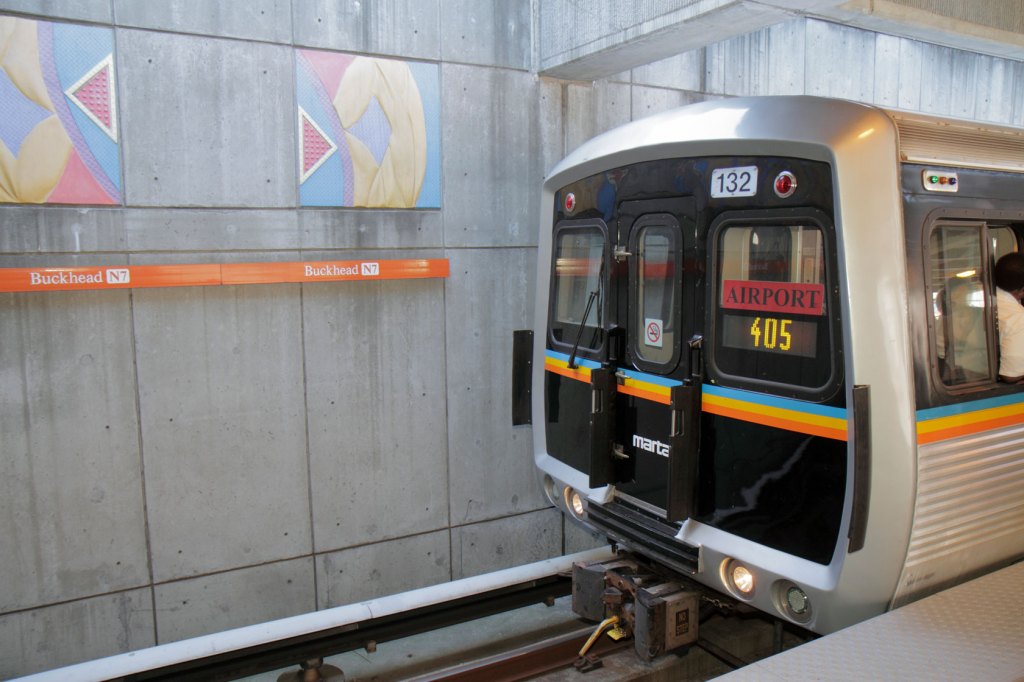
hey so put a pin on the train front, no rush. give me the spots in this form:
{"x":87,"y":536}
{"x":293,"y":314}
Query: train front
{"x":692,"y":393}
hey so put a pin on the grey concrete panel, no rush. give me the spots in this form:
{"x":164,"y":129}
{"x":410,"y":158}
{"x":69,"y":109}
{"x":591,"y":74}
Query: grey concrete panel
{"x":26,"y":229}
{"x":371,"y":571}
{"x":946,"y":87}
{"x":552,"y":131}
{"x":840,"y":62}
{"x":683,"y":72}
{"x":222,"y":404}
{"x":210,"y":230}
{"x":887,"y":71}
{"x":607,"y":36}
{"x":489,"y":295}
{"x":214,"y":603}
{"x":86,"y":10}
{"x":787,"y":61}
{"x":405,"y":28}
{"x":493,"y":165}
{"x":650,"y":101}
{"x":487,"y":33}
{"x":739,"y":66}
{"x":591,"y":111}
{"x":376,"y":403}
{"x":71,"y":506}
{"x":56,"y":636}
{"x":355,"y":229}
{"x":911,"y":70}
{"x":511,"y":541}
{"x":208,"y":122}
{"x":996,"y":89}
{"x":268,"y":20}
{"x":579,"y":539}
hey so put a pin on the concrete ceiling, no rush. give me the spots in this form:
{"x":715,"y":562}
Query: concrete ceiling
{"x":593,"y":39}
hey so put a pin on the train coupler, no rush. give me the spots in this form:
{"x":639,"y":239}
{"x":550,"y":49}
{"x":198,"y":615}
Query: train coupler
{"x":659,"y":613}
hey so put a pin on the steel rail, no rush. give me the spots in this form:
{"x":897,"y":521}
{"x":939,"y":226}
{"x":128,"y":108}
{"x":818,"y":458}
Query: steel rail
{"x":289,"y":641}
{"x":529,"y":661}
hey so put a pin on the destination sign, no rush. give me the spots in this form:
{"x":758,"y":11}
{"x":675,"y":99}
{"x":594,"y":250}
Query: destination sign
{"x":774,"y":297}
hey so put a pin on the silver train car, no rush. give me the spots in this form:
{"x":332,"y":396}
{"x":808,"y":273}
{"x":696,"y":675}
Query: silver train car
{"x":765,"y":351}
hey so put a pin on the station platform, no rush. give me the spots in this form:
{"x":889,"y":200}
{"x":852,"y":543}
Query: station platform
{"x":974,"y":631}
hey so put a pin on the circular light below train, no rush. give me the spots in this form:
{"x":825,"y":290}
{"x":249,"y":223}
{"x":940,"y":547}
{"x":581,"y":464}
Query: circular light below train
{"x":570,"y":202}
{"x":797,"y":601}
{"x":785,"y":184}
{"x":739,"y":578}
{"x":574,"y":502}
{"x":792,"y":601}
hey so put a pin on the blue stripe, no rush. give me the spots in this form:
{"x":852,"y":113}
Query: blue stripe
{"x":774,"y":401}
{"x":972,"y":406}
{"x":580,"y":362}
{"x":650,"y":378}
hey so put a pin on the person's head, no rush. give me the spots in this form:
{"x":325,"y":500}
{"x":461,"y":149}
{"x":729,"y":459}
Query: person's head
{"x":1009,"y":274}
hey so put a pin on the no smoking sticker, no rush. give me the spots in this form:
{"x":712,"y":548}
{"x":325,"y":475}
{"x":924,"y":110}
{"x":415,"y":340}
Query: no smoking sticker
{"x":652,"y":332}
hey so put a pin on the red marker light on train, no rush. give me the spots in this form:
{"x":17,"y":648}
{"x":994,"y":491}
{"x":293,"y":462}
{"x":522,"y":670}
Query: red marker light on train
{"x":570,"y":202}
{"x":785,"y":184}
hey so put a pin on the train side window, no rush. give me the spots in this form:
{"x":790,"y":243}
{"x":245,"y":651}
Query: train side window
{"x":579,"y":282}
{"x":1003,"y":241}
{"x":655,"y":242}
{"x":772,"y":307}
{"x":961,"y":314}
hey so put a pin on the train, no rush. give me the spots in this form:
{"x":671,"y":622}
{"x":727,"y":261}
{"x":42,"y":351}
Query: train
{"x":764,"y":355}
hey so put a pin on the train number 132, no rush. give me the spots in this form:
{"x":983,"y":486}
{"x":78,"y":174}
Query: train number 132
{"x":740,"y":181}
{"x":771,"y":334}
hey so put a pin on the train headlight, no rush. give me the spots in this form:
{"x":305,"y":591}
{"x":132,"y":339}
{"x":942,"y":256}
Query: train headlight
{"x":574,"y":502}
{"x":740,"y":578}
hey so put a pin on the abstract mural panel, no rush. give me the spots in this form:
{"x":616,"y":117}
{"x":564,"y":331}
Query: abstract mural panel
{"x":368,"y":131}
{"x":58,"y":114}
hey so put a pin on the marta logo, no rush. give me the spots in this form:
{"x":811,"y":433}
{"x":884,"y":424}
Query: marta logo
{"x":655,"y":446}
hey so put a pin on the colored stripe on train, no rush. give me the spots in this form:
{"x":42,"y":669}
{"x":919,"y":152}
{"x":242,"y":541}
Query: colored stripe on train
{"x":964,"y":419}
{"x":783,"y":413}
{"x":757,"y":408}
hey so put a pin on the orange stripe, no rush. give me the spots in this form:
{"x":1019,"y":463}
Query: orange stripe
{"x":147,"y":276}
{"x":214,"y":274}
{"x":787,"y":424}
{"x":646,"y":395}
{"x":969,"y":429}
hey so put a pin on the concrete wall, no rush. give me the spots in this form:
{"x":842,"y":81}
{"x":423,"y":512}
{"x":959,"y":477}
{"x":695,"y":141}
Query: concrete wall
{"x":181,"y":461}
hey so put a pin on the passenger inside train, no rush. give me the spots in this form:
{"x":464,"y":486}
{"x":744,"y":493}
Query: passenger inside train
{"x":1009,"y":279}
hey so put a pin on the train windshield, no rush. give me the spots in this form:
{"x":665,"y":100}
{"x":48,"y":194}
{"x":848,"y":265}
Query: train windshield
{"x":772,"y":305}
{"x":578,"y":285}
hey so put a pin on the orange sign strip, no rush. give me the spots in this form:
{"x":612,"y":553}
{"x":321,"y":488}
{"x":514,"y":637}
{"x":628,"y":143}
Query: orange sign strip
{"x":213,"y":274}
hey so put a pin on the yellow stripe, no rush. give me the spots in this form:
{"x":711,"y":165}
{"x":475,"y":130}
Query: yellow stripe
{"x":562,"y":367}
{"x":777,"y":412}
{"x":969,"y":418}
{"x":647,"y":387}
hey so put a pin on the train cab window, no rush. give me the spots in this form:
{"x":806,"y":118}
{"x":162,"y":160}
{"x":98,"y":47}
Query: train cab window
{"x":960,"y":303}
{"x":578,"y":285}
{"x":772,"y":306}
{"x":657,"y":288}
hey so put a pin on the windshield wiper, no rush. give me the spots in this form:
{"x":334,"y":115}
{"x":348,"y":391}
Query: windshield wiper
{"x":579,"y":332}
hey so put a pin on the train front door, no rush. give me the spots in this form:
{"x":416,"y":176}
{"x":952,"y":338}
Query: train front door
{"x":653,"y":449}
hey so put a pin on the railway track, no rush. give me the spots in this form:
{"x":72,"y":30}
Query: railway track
{"x":495,"y":627}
